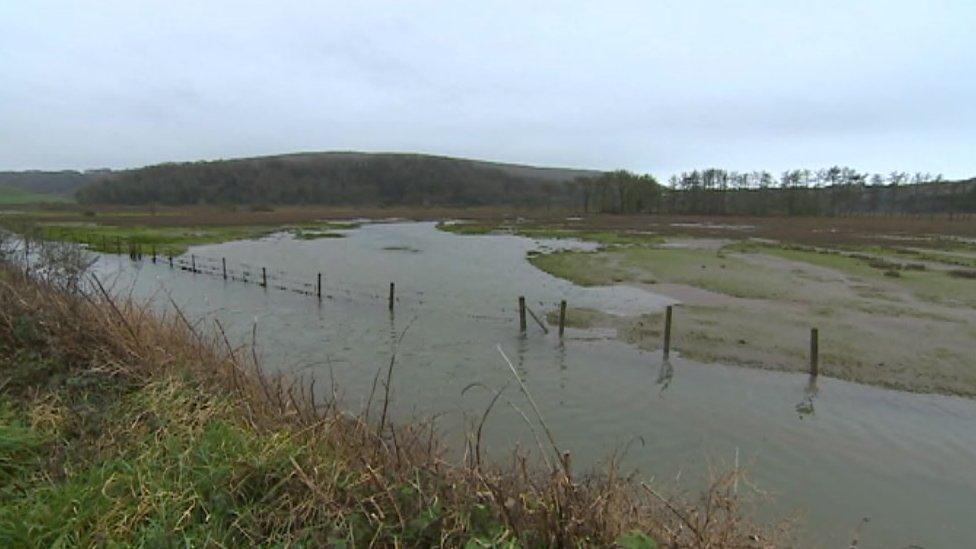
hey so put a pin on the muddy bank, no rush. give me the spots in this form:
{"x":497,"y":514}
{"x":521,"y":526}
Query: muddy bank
{"x":754,"y":306}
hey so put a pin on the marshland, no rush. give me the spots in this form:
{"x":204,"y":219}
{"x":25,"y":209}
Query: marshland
{"x":734,"y":398}
{"x":637,"y":274}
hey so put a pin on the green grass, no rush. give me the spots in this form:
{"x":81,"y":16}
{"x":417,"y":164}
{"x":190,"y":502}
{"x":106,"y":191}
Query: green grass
{"x":466,"y":228}
{"x":704,"y":269}
{"x":605,"y":238}
{"x":17,"y":196}
{"x":166,"y":240}
{"x":311,"y":234}
{"x":174,"y":465}
{"x":931,"y":285}
{"x":832,"y":260}
{"x":175,"y":240}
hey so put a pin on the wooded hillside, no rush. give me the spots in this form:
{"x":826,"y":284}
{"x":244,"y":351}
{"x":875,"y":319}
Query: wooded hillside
{"x":58,"y":182}
{"x":387,"y":179}
{"x":337,"y":178}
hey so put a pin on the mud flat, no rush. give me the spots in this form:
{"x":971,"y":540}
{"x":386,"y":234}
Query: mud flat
{"x":883,"y":319}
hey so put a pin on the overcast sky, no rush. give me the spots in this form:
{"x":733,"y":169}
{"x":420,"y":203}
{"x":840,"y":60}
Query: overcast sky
{"x":650,"y":86}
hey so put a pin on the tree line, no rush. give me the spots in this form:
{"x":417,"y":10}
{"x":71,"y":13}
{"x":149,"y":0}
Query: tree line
{"x":827,"y":192}
{"x":421,"y":180}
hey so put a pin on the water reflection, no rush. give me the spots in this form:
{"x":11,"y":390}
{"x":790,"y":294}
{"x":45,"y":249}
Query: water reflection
{"x":805,"y":407}
{"x":665,"y":374}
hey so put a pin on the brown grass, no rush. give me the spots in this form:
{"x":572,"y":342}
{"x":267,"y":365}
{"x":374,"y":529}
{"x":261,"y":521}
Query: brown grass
{"x":855,"y":229}
{"x":350,"y":477}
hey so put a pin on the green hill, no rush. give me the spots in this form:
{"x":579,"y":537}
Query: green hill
{"x":14,"y":195}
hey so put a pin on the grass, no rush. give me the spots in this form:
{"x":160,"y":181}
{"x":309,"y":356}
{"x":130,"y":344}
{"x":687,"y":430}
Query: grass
{"x":466,"y":228}
{"x":321,"y":229}
{"x":121,"y":427}
{"x":16,"y":196}
{"x":174,"y":241}
{"x":704,"y":269}
{"x":166,"y":240}
{"x":936,"y":286}
{"x":312,"y":234}
{"x":758,"y":310}
{"x":604,"y":238}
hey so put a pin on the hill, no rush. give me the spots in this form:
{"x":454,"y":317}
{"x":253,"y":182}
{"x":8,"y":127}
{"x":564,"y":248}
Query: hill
{"x":63,"y":182}
{"x":16,"y":195}
{"x":344,"y":178}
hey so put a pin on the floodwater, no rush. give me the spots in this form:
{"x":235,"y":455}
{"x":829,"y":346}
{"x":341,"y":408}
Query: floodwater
{"x":834,"y":453}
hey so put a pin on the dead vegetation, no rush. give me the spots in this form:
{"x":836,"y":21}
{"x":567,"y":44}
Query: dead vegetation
{"x":119,"y":425}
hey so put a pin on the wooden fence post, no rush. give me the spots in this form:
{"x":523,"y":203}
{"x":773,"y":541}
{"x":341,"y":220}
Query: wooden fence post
{"x":521,"y":303}
{"x":193,"y":263}
{"x":392,"y":294}
{"x":814,"y":352}
{"x":264,"y":277}
{"x":223,"y":266}
{"x":154,"y":253}
{"x":667,"y":332}
{"x":562,"y":317}
{"x":318,"y":287}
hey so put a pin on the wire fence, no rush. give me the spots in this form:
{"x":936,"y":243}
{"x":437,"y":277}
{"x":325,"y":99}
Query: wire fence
{"x":316,"y":285}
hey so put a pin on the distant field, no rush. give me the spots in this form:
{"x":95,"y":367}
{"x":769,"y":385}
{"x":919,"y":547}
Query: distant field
{"x":14,"y":195}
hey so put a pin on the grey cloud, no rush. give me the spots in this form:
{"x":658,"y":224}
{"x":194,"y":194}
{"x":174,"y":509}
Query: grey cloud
{"x":649,"y":86}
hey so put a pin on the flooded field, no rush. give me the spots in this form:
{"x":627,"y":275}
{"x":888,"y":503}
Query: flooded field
{"x":836,"y":452}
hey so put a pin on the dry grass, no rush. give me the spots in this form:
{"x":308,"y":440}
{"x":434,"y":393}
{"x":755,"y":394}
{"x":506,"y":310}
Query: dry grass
{"x":121,"y":426}
{"x":859,"y":229}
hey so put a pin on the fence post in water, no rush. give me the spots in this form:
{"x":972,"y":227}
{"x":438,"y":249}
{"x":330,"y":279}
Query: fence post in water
{"x":522,"y":313}
{"x":318,"y":287}
{"x":392,"y":294}
{"x":223,"y":264}
{"x":264,"y":277}
{"x":154,"y":253}
{"x":667,"y":332}
{"x":193,"y":263}
{"x":171,"y":261}
{"x":562,"y":317}
{"x":814,"y":352}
